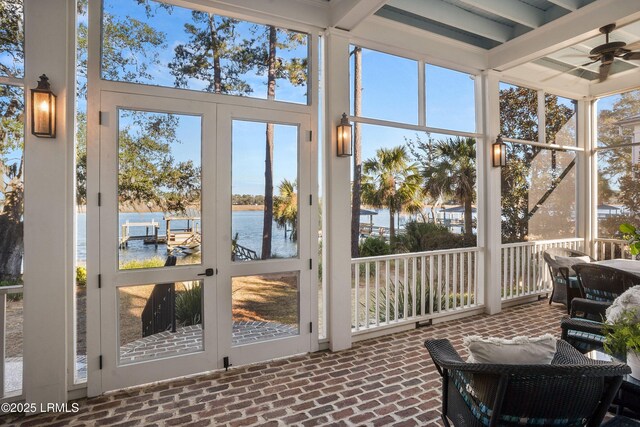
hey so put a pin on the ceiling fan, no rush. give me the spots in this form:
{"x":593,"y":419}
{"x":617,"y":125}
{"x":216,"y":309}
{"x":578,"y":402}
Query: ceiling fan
{"x":606,"y":53}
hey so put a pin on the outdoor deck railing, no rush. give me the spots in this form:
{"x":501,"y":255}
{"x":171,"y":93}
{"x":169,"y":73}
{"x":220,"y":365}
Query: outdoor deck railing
{"x":524,"y":271}
{"x":7,"y":390}
{"x":413,"y":287}
{"x":610,"y":248}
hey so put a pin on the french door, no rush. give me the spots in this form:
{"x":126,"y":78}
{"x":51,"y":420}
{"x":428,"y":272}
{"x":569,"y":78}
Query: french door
{"x":266,"y":267}
{"x":194,"y":277}
{"x":158,"y":191}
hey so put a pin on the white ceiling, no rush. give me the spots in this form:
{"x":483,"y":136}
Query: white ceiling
{"x":542,"y":42}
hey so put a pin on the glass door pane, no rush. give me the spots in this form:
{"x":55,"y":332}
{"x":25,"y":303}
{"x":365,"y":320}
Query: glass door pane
{"x":264,"y":217}
{"x":159,"y":189}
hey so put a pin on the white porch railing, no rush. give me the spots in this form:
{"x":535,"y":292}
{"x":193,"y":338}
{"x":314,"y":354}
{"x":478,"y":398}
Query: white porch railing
{"x":11,"y":384}
{"x":610,"y":248}
{"x":404,"y":288}
{"x":524,"y":271}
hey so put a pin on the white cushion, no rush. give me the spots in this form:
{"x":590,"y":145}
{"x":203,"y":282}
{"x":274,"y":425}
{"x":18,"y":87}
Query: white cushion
{"x":516,"y":351}
{"x":570,"y":261}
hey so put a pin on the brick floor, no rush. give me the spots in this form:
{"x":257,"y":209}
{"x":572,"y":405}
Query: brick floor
{"x":385,"y":381}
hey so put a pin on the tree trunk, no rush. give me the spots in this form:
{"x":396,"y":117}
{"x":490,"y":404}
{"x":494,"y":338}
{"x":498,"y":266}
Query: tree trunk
{"x":392,"y":225}
{"x":11,"y":231}
{"x":357,"y":155}
{"x":468,"y":222}
{"x":215,"y":47}
{"x":268,"y":169}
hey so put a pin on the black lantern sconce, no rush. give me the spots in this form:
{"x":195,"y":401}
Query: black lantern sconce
{"x":43,"y":109}
{"x":344,"y":137}
{"x":499,"y":153}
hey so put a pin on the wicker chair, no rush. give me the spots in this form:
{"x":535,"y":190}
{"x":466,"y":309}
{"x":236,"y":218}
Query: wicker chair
{"x":572,"y":391}
{"x":565,"y":285}
{"x":600,"y":285}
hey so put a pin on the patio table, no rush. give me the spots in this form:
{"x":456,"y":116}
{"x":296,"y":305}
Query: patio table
{"x":628,"y":265}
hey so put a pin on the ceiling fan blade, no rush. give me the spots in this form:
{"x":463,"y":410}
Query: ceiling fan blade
{"x":633,"y":46}
{"x":604,"y":71}
{"x":631,"y":56}
{"x":588,"y":63}
{"x":564,"y":72}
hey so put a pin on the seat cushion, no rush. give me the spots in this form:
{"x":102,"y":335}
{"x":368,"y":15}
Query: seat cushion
{"x":516,"y":351}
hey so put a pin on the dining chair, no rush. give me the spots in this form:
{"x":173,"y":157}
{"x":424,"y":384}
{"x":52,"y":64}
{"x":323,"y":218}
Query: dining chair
{"x":565,"y":282}
{"x":600,"y":285}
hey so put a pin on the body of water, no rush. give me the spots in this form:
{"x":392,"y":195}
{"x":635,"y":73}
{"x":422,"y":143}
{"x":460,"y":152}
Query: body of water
{"x":248,"y":225}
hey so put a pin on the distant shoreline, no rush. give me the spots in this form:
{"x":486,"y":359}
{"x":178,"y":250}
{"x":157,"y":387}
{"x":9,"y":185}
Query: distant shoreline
{"x":83,"y":209}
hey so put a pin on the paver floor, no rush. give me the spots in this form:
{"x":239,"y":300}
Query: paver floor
{"x":386,"y":381}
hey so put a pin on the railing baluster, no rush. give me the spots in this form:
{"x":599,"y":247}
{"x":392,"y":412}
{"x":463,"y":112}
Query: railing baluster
{"x":357,"y":296}
{"x":431,"y":280}
{"x":455,"y":280}
{"x":504,"y":254}
{"x":386,"y":291}
{"x":414,"y":278}
{"x":447,"y":289}
{"x":405,"y":289}
{"x":396,"y":291}
{"x":423,"y":285}
{"x":439,"y":294}
{"x":470,"y":292}
{"x":475,"y":279}
{"x":461,"y":280}
{"x":367,"y":296}
{"x":3,"y":336}
{"x":377,"y":293}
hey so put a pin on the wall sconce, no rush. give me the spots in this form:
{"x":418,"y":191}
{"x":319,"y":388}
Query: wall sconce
{"x":344,"y":137}
{"x":499,"y":152}
{"x":43,"y":109}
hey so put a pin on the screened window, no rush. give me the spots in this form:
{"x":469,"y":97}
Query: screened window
{"x":538,"y":188}
{"x":618,"y":159}
{"x":158,"y":44}
{"x":450,"y":99}
{"x":389,"y":86}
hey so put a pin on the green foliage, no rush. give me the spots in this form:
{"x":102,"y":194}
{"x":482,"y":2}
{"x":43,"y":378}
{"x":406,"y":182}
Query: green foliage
{"x":412,"y":301}
{"x":189,"y":306}
{"x":428,"y":236}
{"x":285,"y":207}
{"x":142,"y":263}
{"x":632,"y":235}
{"x":11,"y":38}
{"x":247,"y":199}
{"x":391,"y":181}
{"x":448,"y":168}
{"x":519,"y":119}
{"x":13,"y":282}
{"x":374,"y":246}
{"x":623,"y":335}
{"x":81,"y":276}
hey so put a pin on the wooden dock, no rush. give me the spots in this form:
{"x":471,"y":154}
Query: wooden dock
{"x":185,"y":240}
{"x":148,"y":237}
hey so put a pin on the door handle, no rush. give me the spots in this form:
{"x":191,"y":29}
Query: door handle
{"x":208,"y":272}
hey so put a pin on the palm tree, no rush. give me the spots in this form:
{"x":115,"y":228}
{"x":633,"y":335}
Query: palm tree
{"x":452,"y":173}
{"x":391,"y":181}
{"x":285,"y":207}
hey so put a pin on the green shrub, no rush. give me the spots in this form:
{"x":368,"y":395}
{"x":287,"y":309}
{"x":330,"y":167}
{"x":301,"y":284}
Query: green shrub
{"x":142,"y":263}
{"x":189,"y":306}
{"x":428,"y":236}
{"x":374,"y":246}
{"x":81,"y":276}
{"x":460,"y":299}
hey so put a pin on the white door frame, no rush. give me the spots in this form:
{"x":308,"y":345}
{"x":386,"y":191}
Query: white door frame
{"x":305,"y":264}
{"x":114,"y":375}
